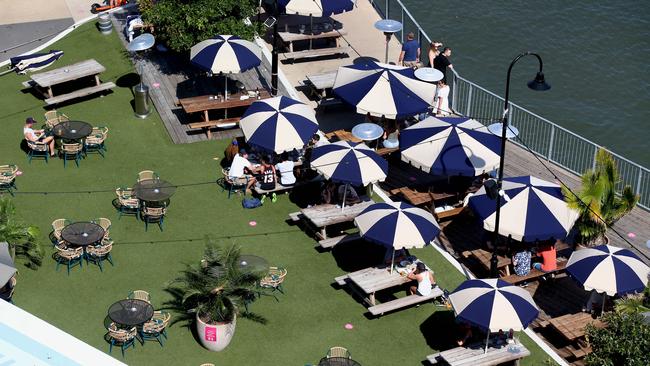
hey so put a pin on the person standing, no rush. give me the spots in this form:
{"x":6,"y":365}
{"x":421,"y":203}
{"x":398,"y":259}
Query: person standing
{"x":410,"y":55}
{"x":441,"y":107}
{"x":433,"y":52}
{"x":441,"y":62}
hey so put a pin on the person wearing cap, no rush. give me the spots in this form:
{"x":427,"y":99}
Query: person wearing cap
{"x":425,"y":279}
{"x":37,"y":135}
{"x":241,"y":170}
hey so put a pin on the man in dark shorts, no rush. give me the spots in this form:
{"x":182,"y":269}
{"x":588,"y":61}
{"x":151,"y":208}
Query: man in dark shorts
{"x":441,"y":62}
{"x":410,"y":55}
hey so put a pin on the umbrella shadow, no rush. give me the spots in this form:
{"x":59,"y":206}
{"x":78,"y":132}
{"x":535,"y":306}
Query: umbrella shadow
{"x":358,"y":254}
{"x":436,"y":330}
{"x":364,"y":60}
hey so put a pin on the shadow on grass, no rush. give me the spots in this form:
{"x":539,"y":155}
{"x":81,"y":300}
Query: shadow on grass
{"x":437,"y":329}
{"x":359,"y":254}
{"x":128,"y":80}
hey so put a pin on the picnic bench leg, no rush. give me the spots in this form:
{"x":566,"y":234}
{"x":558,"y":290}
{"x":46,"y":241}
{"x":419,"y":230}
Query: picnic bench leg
{"x":97,"y":80}
{"x":49,"y":92}
{"x":291,"y":46}
{"x":323,"y":232}
{"x":371,"y":298}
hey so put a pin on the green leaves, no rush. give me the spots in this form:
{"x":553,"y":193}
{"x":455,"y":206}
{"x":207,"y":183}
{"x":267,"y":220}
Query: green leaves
{"x":182,"y":24}
{"x":22,"y":239}
{"x":625,"y":341}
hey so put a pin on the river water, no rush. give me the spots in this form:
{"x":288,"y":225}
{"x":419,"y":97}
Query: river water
{"x":596,"y":57}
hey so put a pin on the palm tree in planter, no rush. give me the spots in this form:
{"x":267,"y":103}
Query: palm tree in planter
{"x":22,"y":238}
{"x":213,"y":293}
{"x":598,"y":201}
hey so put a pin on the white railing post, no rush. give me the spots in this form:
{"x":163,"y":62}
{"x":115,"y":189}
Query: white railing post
{"x":551,"y":140}
{"x":402,"y":31}
{"x":638,"y":181}
{"x":469,"y":100}
{"x":593,"y":165}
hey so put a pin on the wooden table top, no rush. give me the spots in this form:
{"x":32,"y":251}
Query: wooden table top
{"x":374,"y":279}
{"x":292,"y":37}
{"x":573,"y":326}
{"x":484,"y":257}
{"x":323,"y":81}
{"x":204,"y":103}
{"x":328,"y":214}
{"x":475,"y":355}
{"x":68,"y":73}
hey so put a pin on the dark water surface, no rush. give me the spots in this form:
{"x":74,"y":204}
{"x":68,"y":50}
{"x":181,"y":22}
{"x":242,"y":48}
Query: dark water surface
{"x":596,"y":57}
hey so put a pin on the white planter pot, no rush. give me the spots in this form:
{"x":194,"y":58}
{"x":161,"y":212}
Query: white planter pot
{"x":215,"y":337}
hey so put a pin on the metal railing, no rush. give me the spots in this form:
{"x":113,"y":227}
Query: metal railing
{"x":546,"y":139}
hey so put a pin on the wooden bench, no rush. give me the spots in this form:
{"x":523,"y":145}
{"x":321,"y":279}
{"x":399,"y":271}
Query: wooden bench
{"x":331,"y":242}
{"x":80,"y":93}
{"x":278,"y":188}
{"x":448,"y":213}
{"x":207,"y":125}
{"x":386,"y":150}
{"x":321,"y":216}
{"x":319,"y":52}
{"x":403,"y":302}
{"x":533,"y":274}
{"x":579,"y":351}
{"x":341,"y":280}
{"x":29,"y":84}
{"x":475,"y":355}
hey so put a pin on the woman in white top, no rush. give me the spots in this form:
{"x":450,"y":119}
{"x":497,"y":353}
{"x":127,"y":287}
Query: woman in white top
{"x":285,"y":169}
{"x":426,"y":281}
{"x":37,"y":135}
{"x":442,"y":105}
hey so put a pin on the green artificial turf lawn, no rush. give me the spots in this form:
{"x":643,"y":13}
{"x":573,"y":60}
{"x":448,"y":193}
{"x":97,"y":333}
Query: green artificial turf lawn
{"x":307,"y":320}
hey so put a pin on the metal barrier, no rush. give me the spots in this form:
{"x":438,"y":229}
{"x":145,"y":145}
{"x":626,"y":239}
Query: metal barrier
{"x":545,"y":138}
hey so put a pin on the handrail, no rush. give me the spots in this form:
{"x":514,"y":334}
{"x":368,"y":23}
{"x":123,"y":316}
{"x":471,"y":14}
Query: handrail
{"x":577,"y":155}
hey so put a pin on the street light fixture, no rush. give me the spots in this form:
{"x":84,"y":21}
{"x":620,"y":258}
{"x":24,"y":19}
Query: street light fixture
{"x":537,"y":84}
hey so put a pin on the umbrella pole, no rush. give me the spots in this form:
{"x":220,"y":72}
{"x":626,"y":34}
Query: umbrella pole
{"x":392,"y":262}
{"x":225,"y":91}
{"x":487,"y":341}
{"x":311,"y":29}
{"x":602,"y":310}
{"x":345,"y":193}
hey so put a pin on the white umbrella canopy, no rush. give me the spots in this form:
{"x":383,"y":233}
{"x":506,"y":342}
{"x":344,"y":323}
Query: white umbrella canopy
{"x":349,"y":162}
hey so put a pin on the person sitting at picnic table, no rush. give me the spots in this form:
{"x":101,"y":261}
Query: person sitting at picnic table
{"x":242,"y":169}
{"x":549,"y":258}
{"x":521,"y":261}
{"x":231,"y":151}
{"x":285,"y":169}
{"x":327,"y":195}
{"x":464,"y":333}
{"x":348,"y":194}
{"x":267,"y":175}
{"x":425,"y":279}
{"x":37,"y":135}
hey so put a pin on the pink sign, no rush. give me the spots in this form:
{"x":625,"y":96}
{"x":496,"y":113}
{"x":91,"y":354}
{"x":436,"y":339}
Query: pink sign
{"x":210,"y":334}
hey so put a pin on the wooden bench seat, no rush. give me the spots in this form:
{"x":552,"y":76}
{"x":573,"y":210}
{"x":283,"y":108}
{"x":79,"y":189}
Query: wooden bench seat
{"x":316,"y":52}
{"x":386,"y":150}
{"x":278,"y":188}
{"x":331,"y":242}
{"x":533,"y":274}
{"x":80,"y":93}
{"x":449,"y":213}
{"x":29,"y":84}
{"x":341,"y":280}
{"x":579,"y":351}
{"x":207,"y":125}
{"x":404,"y":302}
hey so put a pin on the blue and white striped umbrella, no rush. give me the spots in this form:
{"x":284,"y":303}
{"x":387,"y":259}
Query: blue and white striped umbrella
{"x":450,"y":146}
{"x":609,"y":269}
{"x":397,"y":225}
{"x":227,"y":54}
{"x":493,"y":304}
{"x":383,"y":90}
{"x":278,"y":124}
{"x":531,"y":209}
{"x":349,"y":162}
{"x":317,"y":8}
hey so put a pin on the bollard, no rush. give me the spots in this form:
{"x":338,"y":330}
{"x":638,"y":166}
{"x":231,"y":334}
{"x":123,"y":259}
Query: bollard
{"x":105,"y":24}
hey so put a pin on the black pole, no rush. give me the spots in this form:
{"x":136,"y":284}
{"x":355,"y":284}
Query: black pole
{"x":494,"y":260}
{"x":274,"y":53}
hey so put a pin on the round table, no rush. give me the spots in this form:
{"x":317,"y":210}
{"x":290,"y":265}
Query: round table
{"x":72,"y":130}
{"x":367,"y":131}
{"x":337,"y":361}
{"x":428,"y":74}
{"x":153,"y":190}
{"x":130,"y":312}
{"x":82,"y":233}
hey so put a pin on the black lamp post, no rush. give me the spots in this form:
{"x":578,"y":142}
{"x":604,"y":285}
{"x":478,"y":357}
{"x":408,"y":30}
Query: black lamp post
{"x":538,"y":84}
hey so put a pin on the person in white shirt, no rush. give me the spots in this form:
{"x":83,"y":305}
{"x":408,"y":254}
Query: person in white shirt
{"x":442,"y":105}
{"x":285,"y":169}
{"x":37,"y":135}
{"x":425,"y":280}
{"x":241,"y":169}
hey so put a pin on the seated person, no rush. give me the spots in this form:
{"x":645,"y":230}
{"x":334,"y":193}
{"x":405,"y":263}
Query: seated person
{"x":242,"y":169}
{"x":549,"y":258}
{"x":350,"y":194}
{"x":266,"y":178}
{"x":37,"y":135}
{"x":327,"y":194}
{"x":231,"y":150}
{"x":425,"y":279}
{"x":464,"y":333}
{"x":521,"y":261}
{"x":400,"y":255}
{"x":285,"y":169}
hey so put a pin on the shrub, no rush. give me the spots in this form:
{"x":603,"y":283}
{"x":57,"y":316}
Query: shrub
{"x":625,"y":341}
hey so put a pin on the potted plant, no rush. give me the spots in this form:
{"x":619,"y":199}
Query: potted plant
{"x":22,"y":238}
{"x":213,"y":294}
{"x":598,"y":201}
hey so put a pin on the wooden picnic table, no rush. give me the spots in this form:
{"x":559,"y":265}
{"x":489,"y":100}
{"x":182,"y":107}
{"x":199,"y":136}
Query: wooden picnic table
{"x":44,"y":81}
{"x":342,"y":135}
{"x":321,"y":216}
{"x":573,"y":326}
{"x":322,"y":82}
{"x":289,"y":38}
{"x":475,"y":355}
{"x":205,"y":103}
{"x":484,"y":257}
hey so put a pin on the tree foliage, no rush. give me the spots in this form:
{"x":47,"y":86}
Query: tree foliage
{"x":22,"y":238}
{"x":624,"y":342}
{"x":598,"y":201}
{"x":184,"y":23}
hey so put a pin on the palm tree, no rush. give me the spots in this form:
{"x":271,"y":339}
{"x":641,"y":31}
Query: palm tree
{"x":216,"y":289}
{"x":22,"y":239}
{"x":598,"y":201}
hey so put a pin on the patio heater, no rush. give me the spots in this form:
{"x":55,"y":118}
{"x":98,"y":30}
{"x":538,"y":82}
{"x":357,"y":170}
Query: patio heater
{"x":388,"y":26}
{"x":141,"y":91}
{"x":508,"y":132}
